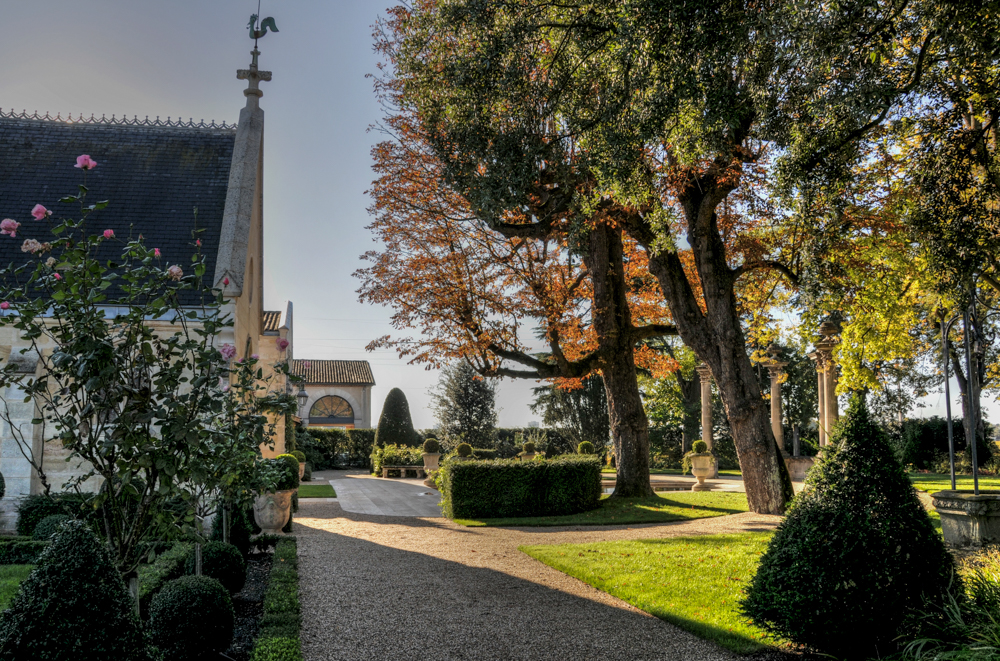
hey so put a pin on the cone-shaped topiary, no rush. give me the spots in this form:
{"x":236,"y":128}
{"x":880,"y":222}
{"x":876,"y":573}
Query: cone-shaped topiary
{"x":74,"y":606}
{"x":856,"y":554}
{"x":191,"y":618}
{"x":395,"y":427}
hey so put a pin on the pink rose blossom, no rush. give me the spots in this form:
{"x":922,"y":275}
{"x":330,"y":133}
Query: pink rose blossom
{"x":282,"y":343}
{"x":225,"y":388}
{"x":254,"y":356}
{"x":228,"y":351}
{"x":175,"y":272}
{"x":109,"y":234}
{"x":39,"y":212}
{"x":57,"y":276}
{"x":9,"y":226}
{"x":32,"y":246}
{"x":156,"y":252}
{"x":306,"y":364}
{"x":5,"y":305}
{"x":198,"y":243}
{"x":85,"y":162}
{"x":225,"y":281}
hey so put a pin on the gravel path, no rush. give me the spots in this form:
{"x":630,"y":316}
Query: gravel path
{"x":376,"y":587}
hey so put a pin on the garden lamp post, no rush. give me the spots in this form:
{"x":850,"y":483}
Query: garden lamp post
{"x":303,"y":397}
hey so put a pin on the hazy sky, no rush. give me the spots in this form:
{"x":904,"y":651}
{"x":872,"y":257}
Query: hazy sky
{"x":179,"y":58}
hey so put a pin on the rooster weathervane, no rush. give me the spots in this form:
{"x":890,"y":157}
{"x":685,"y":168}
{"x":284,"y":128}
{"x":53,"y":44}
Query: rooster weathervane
{"x":258,"y":31}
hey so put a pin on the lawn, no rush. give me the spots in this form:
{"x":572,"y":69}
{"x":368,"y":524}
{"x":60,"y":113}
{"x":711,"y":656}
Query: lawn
{"x":931,"y":482}
{"x":661,"y":508}
{"x":316,"y":491}
{"x":11,"y":577}
{"x":670,"y":471}
{"x":692,"y":582}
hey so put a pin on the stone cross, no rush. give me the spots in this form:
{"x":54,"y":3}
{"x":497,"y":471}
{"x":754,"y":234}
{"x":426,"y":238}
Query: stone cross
{"x":776,"y":368}
{"x":253,"y":91}
{"x":706,"y":410}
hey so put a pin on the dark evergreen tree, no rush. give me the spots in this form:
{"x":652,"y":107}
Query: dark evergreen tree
{"x":395,"y":427}
{"x":464,"y":404}
{"x":73,"y":607}
{"x":581,"y":412}
{"x":856,"y":555}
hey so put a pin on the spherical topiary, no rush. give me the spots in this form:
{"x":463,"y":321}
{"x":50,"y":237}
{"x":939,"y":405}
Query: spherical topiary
{"x":241,"y":528}
{"x":300,"y":455}
{"x":529,"y":448}
{"x":464,"y":450}
{"x":74,"y":605}
{"x":856,"y":555}
{"x":585,"y":447}
{"x":223,"y":562}
{"x":699,"y":446}
{"x":431,"y":446}
{"x":49,"y":526}
{"x":395,"y":426}
{"x":291,"y":480}
{"x":192,"y":618}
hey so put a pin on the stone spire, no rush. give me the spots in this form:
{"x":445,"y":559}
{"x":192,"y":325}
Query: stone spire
{"x":254,"y":75}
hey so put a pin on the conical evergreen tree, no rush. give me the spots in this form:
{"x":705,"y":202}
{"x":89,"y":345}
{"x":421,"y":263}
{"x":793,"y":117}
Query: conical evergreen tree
{"x":73,"y":607}
{"x":395,"y":427}
{"x":464,"y":404}
{"x":855,"y":556}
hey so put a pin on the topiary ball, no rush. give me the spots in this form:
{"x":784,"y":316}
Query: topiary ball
{"x":857,"y":554}
{"x":699,"y":446}
{"x":300,"y":455}
{"x":49,"y":526}
{"x":292,"y":478}
{"x":585,"y":447}
{"x":192,"y":617}
{"x":464,"y":450}
{"x":431,"y":446}
{"x":529,"y":448}
{"x":223,"y":562}
{"x":74,"y":605}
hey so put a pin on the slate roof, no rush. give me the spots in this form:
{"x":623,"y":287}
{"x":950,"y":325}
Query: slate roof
{"x":334,"y":372}
{"x":271,"y":321}
{"x":153,"y":177}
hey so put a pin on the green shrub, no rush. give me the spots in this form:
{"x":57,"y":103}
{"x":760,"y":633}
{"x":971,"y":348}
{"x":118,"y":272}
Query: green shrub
{"x":220,"y":561}
{"x":282,"y":614}
{"x":396,"y":455}
{"x":528,"y":448}
{"x":21,"y":552}
{"x":856,"y":555}
{"x":431,"y":446}
{"x":49,"y":526}
{"x":307,"y":476}
{"x":241,"y":528}
{"x":166,"y":567}
{"x":73,"y":606}
{"x":292,"y":481}
{"x":192,"y":617}
{"x":483,"y":453}
{"x":464,"y":450}
{"x":277,"y":649}
{"x":510,"y":488}
{"x":299,"y":455}
{"x":395,"y":427}
{"x":33,"y":509}
{"x":585,"y":447}
{"x":278,"y":472}
{"x":699,"y":446}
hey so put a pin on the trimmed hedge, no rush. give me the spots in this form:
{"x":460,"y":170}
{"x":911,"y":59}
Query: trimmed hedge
{"x":511,"y":488}
{"x":396,"y":455}
{"x":337,"y":448}
{"x":484,"y":454}
{"x":167,"y":566}
{"x":279,"y":626}
{"x":49,"y":526}
{"x":192,"y":617}
{"x":33,"y":509}
{"x":395,"y":426}
{"x":21,"y":552}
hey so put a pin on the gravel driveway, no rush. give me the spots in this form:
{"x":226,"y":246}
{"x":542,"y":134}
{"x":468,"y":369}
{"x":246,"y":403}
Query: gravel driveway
{"x":377,"y":587}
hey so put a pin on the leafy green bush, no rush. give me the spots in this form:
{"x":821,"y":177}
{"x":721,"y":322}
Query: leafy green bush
{"x":510,"y":488}
{"x":49,"y":526}
{"x":277,"y":473}
{"x":699,"y":446}
{"x":307,"y":476}
{"x":33,"y":509}
{"x":293,"y":471}
{"x":431,"y":446}
{"x":166,"y":567}
{"x":395,"y":427}
{"x":220,"y":561}
{"x":21,"y":552}
{"x":299,"y":456}
{"x":282,"y":613}
{"x":464,"y":450}
{"x":396,"y":455}
{"x":484,"y":454}
{"x":585,"y":447}
{"x":74,"y":605}
{"x":856,"y":555}
{"x":277,"y":649}
{"x":241,"y":528}
{"x":528,"y":448}
{"x":192,"y":617}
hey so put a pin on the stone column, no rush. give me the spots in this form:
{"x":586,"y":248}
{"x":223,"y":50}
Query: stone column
{"x":706,"y":409}
{"x":829,"y":330}
{"x":820,"y":394}
{"x":776,"y":369}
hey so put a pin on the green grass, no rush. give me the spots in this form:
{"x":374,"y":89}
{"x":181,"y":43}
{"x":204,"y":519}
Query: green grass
{"x":661,"y":508}
{"x":10,"y":578}
{"x":932,"y":482}
{"x":316,"y":491}
{"x":692,"y":582}
{"x":671,"y":471}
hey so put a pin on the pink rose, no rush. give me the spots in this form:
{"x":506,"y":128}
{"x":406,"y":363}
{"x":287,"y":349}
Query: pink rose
{"x":109,"y":234}
{"x":32,"y":246}
{"x":175,"y":273}
{"x":85,"y":162}
{"x":4,"y":306}
{"x":57,"y":276}
{"x":228,"y":351}
{"x":306,"y":364}
{"x":9,"y":226}
{"x":38,"y":212}
{"x":282,"y":343}
{"x":156,"y":252}
{"x":254,"y":356}
{"x":198,"y":243}
{"x":225,"y":281}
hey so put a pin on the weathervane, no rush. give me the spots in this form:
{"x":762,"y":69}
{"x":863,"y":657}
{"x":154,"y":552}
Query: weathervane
{"x":258,"y":31}
{"x":253,"y":74}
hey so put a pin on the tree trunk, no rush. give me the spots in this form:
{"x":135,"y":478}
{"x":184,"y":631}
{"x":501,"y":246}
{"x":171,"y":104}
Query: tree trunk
{"x":616,"y":345}
{"x":963,"y":386}
{"x":691,"y":403}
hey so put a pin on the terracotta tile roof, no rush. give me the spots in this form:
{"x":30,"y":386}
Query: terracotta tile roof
{"x":272,"y":318}
{"x":335,"y":372}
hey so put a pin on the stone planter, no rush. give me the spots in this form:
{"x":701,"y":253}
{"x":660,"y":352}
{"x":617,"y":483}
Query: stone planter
{"x":798,"y":467}
{"x":702,"y":466}
{"x":526,"y":456}
{"x":271,"y":510}
{"x":431,"y":461}
{"x":302,"y":469}
{"x":968,"y":519}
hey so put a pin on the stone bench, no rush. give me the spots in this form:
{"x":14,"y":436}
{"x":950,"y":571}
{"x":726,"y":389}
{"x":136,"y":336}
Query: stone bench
{"x":402,"y":471}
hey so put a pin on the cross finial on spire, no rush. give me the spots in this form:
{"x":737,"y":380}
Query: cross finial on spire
{"x":253,"y":92}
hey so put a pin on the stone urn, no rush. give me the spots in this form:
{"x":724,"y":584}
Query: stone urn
{"x":527,"y":456}
{"x":968,"y":519}
{"x":431,"y":461}
{"x":302,"y":469}
{"x":271,"y":510}
{"x":798,"y":467}
{"x":702,"y":466}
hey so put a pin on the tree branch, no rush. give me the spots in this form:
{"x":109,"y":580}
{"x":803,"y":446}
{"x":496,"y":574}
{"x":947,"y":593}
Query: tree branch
{"x":767,"y":264}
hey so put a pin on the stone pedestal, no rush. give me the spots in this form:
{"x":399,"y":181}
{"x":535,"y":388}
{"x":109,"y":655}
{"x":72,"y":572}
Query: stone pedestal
{"x":706,"y":411}
{"x":798,"y":467}
{"x":968,"y":519}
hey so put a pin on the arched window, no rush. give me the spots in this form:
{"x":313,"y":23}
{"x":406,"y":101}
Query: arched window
{"x":331,"y":410}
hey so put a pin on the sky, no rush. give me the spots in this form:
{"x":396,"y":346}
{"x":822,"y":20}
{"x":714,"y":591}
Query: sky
{"x":179,"y":58}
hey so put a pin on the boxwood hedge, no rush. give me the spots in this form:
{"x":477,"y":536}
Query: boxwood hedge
{"x":510,"y":488}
